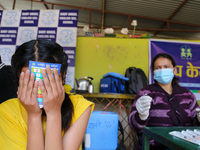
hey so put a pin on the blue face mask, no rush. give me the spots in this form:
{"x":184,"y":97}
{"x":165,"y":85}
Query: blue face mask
{"x":164,"y":76}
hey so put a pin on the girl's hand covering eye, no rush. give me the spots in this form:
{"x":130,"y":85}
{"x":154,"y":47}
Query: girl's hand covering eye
{"x":27,"y":93}
{"x":52,"y":91}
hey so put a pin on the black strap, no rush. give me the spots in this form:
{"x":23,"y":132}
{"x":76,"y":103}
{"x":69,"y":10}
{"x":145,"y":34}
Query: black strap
{"x":117,"y":87}
{"x":121,"y":145}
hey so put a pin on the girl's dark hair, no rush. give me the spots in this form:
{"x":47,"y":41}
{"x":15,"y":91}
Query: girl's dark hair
{"x":167,"y":56}
{"x":44,"y":51}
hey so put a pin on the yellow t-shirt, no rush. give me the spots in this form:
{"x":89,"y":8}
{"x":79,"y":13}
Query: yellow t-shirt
{"x":13,"y":121}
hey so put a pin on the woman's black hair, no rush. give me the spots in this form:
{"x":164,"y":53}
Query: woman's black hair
{"x":167,"y":56}
{"x":44,"y":51}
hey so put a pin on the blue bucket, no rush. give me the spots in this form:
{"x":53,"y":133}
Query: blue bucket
{"x":102,"y":131}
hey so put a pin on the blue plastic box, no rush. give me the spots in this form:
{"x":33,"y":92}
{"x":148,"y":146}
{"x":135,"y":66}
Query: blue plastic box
{"x":102,"y":131}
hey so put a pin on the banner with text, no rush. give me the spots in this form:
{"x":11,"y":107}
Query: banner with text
{"x":19,"y":26}
{"x":186,"y":56}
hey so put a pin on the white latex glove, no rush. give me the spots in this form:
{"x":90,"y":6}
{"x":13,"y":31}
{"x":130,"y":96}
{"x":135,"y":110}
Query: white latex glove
{"x":143,"y":105}
{"x":198,"y":113}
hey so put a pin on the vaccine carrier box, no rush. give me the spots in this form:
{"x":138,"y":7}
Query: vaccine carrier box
{"x":102,"y":131}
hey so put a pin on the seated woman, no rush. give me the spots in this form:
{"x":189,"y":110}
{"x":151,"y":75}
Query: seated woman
{"x":61,"y":123}
{"x":164,"y":103}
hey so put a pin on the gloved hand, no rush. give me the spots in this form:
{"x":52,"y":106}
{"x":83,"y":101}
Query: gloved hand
{"x":198,"y":113}
{"x":143,"y":105}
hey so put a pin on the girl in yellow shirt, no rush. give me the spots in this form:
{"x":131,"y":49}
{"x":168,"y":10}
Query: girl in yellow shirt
{"x":62,"y":122}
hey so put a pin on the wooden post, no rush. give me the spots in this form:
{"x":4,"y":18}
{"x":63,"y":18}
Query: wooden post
{"x":14,"y":1}
{"x":102,"y":16}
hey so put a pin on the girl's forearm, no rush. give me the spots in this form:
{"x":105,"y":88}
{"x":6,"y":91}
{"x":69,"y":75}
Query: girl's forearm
{"x":53,"y":137}
{"x":35,"y":139}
